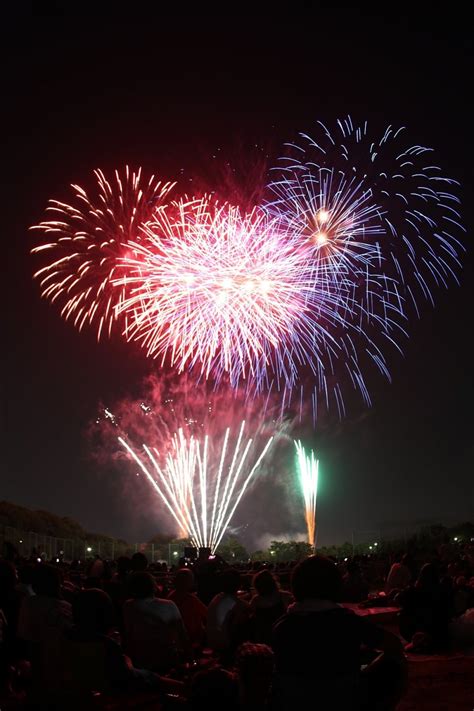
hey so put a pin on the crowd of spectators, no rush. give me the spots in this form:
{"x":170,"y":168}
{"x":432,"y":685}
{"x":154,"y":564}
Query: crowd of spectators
{"x":204,"y":635}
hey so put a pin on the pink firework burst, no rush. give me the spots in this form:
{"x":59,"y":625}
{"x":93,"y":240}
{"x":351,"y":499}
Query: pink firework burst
{"x":223,"y":291}
{"x":86,"y":241}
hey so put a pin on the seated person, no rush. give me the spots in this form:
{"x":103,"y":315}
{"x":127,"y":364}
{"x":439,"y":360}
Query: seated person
{"x":227,"y":615}
{"x":425,"y":610}
{"x":214,"y":689}
{"x":43,"y":618}
{"x":193,"y":611}
{"x":255,"y":665}
{"x":10,"y":602}
{"x":155,"y":637}
{"x":318,"y":648}
{"x":399,"y":576}
{"x":92,"y":660}
{"x":354,"y":585}
{"x":267,"y":605}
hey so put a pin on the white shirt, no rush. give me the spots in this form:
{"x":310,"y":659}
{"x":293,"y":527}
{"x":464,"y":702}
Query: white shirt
{"x":153,"y":608}
{"x":154,"y":632}
{"x":219,"y":608}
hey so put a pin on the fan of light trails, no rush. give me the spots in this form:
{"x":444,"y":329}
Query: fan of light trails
{"x":308,"y":475}
{"x":200,"y":487}
{"x":86,"y":241}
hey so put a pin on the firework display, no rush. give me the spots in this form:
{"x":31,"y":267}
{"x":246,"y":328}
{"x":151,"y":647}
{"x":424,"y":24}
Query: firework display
{"x":307,"y":466}
{"x":87,"y":240}
{"x":299,"y":297}
{"x":201,"y":490}
{"x":226,"y":294}
{"x":371,"y":202}
{"x":311,"y":287}
{"x":198,"y":449}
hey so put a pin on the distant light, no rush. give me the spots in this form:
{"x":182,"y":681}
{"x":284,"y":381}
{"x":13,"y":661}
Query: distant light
{"x":88,"y":549}
{"x":323,"y":216}
{"x":345,"y":560}
{"x":456,"y":539}
{"x":57,"y":560}
{"x":376,"y":544}
{"x":175,"y":552}
{"x":370,"y":548}
{"x":21,"y":541}
{"x":272,"y":552}
{"x":39,"y":560}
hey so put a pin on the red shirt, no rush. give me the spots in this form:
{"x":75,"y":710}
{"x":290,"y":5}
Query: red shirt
{"x":194,"y":614}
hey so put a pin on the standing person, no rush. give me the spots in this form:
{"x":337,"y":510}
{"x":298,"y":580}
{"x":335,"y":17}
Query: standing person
{"x":317,"y":647}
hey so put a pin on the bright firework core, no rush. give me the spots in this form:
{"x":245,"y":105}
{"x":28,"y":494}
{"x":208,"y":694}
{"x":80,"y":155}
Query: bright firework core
{"x":323,"y":216}
{"x":200,"y":486}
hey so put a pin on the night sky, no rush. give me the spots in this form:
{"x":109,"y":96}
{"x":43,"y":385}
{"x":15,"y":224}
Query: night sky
{"x":81,"y":91}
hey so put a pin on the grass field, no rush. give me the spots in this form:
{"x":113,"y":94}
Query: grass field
{"x":440,"y":684}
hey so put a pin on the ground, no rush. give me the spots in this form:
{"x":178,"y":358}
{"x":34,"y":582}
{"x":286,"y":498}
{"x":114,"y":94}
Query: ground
{"x":440,"y":684}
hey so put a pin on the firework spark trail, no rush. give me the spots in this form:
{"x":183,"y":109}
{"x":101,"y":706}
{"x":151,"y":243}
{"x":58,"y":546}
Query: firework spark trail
{"x":87,"y":240}
{"x":308,"y":475}
{"x":188,"y":485}
{"x":398,"y":203}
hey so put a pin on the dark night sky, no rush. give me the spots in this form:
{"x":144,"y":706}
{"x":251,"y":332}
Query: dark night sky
{"x":84,"y":91}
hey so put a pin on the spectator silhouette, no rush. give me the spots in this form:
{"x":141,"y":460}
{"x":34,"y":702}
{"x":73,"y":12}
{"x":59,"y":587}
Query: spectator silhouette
{"x":317,"y":647}
{"x":43,"y":618}
{"x":214,"y":689}
{"x":91,"y":659}
{"x":255,"y":666}
{"x":354,"y":585}
{"x":155,"y":637}
{"x":193,"y":611}
{"x":227,"y":615}
{"x":425,"y":611}
{"x":267,"y":606}
{"x":399,"y":576}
